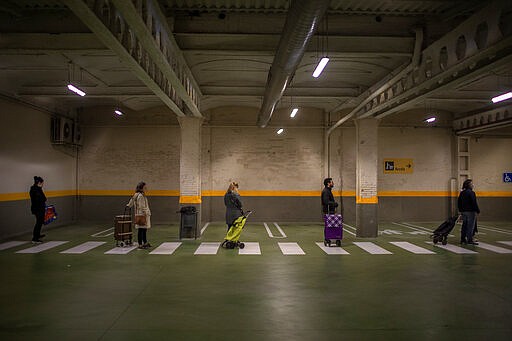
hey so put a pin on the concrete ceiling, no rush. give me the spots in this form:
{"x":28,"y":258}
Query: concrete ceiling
{"x":229,"y":46}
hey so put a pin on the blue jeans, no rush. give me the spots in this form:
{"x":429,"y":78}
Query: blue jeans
{"x":468,"y":226}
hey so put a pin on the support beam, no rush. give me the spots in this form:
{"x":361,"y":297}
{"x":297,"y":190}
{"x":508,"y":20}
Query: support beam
{"x":474,"y":48}
{"x":156,"y":39}
{"x":366,"y":178}
{"x":114,"y":32}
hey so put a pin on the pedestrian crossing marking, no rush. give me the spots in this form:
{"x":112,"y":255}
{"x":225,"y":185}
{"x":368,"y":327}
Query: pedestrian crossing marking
{"x":121,"y":250}
{"x":251,"y":248}
{"x":509,"y":243}
{"x":493,"y":248}
{"x":82,"y":248}
{"x":332,"y":250}
{"x":291,"y":249}
{"x":165,"y":249}
{"x":455,"y":249}
{"x":412,"y":248}
{"x":372,"y":248}
{"x":207,"y":249}
{"x":42,"y":247}
{"x":8,"y":245}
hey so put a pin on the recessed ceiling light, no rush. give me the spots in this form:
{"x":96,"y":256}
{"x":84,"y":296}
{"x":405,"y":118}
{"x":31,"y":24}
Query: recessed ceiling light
{"x":502,"y":97}
{"x":76,"y":90}
{"x":430,"y":119}
{"x":119,"y":112}
{"x":280,"y":131}
{"x":320,"y":67}
{"x":294,"y":112}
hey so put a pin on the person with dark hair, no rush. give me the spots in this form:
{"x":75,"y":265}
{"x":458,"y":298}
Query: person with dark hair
{"x":328,"y":203}
{"x":38,"y":205}
{"x":468,"y":207}
{"x":233,"y":204}
{"x":142,"y":214}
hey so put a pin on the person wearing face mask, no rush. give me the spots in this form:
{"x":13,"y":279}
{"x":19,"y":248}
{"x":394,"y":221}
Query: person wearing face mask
{"x":468,"y":208}
{"x":38,"y":204}
{"x":328,"y":204}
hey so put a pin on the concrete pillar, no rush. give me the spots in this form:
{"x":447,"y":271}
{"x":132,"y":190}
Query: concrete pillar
{"x":190,"y":164}
{"x":366,"y":178}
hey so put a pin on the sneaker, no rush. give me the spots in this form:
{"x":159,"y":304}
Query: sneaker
{"x":42,"y":236}
{"x":141,"y":247}
{"x":473,"y":242}
{"x":37,"y":241}
{"x":147,"y":245}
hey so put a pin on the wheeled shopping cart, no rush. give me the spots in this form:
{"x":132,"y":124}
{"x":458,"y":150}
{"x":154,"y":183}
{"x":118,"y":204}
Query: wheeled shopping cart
{"x":231,"y":240}
{"x":123,"y":234}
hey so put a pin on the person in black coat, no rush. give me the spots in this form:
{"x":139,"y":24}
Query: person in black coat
{"x":468,"y":207}
{"x":38,"y":204}
{"x":233,"y":204}
{"x":328,"y":203}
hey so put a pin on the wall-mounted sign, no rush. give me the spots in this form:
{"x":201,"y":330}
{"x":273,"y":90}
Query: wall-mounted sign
{"x":507,"y":177}
{"x":398,"y":166}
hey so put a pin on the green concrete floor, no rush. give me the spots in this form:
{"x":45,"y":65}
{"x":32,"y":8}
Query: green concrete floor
{"x":138,"y":296}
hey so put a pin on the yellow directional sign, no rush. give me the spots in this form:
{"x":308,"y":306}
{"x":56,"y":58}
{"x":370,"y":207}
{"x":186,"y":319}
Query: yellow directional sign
{"x":398,"y":166}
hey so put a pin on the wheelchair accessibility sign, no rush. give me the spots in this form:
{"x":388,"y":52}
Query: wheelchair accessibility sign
{"x":507,"y":177}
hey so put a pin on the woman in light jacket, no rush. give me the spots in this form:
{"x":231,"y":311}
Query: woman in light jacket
{"x":140,"y":201}
{"x":233,"y":204}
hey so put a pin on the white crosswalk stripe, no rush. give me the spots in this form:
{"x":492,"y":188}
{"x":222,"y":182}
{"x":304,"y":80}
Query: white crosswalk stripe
{"x":506,"y":242}
{"x":455,"y":249}
{"x":82,"y":248}
{"x":413,"y":248}
{"x":251,"y":248}
{"x":332,"y":250}
{"x":8,"y":245}
{"x":42,"y":247}
{"x":372,"y":248}
{"x":165,"y":249}
{"x":207,"y":248}
{"x":121,"y":250}
{"x":493,"y":248}
{"x":291,"y":249}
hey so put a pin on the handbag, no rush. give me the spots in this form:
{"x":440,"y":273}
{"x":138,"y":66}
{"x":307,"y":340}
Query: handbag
{"x":140,"y":220}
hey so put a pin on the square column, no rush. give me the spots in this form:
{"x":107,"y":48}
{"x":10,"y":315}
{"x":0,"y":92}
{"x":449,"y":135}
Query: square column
{"x":366,"y":177}
{"x":190,"y":163}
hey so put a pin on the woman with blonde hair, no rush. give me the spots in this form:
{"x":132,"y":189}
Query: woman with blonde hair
{"x":233,"y":204}
{"x":142,"y":214}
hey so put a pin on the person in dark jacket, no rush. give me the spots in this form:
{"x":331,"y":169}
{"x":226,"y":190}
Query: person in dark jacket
{"x":328,"y":203}
{"x":233,"y":204}
{"x":468,"y":207}
{"x":38,"y":204}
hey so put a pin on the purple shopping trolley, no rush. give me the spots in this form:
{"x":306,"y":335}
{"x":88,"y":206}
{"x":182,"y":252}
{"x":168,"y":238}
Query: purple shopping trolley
{"x":333,"y":230}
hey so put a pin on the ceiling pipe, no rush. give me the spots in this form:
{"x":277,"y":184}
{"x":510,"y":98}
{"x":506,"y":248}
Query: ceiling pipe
{"x":301,"y":23}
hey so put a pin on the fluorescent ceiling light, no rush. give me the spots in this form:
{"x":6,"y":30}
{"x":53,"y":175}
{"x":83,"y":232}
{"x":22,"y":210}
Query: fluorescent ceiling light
{"x":502,"y":97}
{"x":320,"y":66}
{"x":76,"y":90}
{"x":280,"y":131}
{"x":430,"y":119}
{"x":294,"y":112}
{"x":119,"y":112}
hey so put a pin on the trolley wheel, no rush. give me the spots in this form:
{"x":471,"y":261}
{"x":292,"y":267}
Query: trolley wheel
{"x":230,"y":245}
{"x":121,"y":244}
{"x":338,"y":242}
{"x":242,"y":245}
{"x":435,"y":240}
{"x":325,"y":242}
{"x":445,"y":240}
{"x":329,"y":242}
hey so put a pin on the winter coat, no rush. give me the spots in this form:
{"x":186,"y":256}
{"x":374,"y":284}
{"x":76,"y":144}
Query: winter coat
{"x":328,"y":203}
{"x":140,"y":202}
{"x":38,"y":199}
{"x":233,"y":207}
{"x":467,"y":201}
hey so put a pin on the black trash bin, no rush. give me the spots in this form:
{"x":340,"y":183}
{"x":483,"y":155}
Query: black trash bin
{"x":188,"y":225}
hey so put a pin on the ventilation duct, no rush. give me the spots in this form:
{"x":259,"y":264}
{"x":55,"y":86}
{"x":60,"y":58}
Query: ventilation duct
{"x":301,"y":23}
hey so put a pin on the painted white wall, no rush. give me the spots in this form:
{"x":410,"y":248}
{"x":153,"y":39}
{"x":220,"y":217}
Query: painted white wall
{"x":490,"y":158}
{"x":118,"y":157}
{"x":26,"y":150}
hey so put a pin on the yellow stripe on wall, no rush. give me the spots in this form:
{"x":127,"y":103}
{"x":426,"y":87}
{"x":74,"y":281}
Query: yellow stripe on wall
{"x":248,"y":193}
{"x":372,"y":200}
